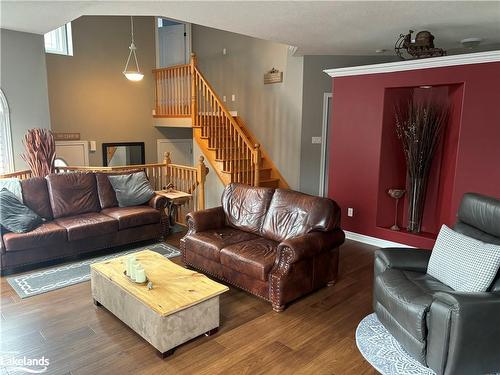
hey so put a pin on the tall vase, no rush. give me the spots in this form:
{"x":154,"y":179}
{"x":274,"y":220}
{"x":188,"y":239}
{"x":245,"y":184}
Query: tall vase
{"x":416,"y":197}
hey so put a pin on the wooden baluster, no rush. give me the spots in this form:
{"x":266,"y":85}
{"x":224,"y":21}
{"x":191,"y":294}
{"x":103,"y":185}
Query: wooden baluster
{"x":200,"y":179}
{"x":257,"y":157}
{"x":194,"y":106}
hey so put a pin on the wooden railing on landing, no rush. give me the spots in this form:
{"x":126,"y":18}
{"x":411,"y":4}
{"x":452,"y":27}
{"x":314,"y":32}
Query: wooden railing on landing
{"x":236,"y":155}
{"x":184,"y":178}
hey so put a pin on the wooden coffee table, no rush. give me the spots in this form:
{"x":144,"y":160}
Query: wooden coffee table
{"x":182,"y":305}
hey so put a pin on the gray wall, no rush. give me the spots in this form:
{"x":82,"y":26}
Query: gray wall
{"x":23,"y":79}
{"x":272,"y":112}
{"x":316,"y":83}
{"x":89,"y":94}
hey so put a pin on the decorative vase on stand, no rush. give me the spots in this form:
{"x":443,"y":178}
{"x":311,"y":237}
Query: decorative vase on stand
{"x":416,"y":200}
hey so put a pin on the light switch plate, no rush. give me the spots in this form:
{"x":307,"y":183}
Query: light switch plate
{"x":316,"y":140}
{"x":350,"y":212}
{"x":233,"y":97}
{"x":224,"y":98}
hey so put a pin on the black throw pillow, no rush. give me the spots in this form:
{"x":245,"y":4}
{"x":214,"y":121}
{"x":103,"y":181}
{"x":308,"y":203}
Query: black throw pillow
{"x":15,"y":216}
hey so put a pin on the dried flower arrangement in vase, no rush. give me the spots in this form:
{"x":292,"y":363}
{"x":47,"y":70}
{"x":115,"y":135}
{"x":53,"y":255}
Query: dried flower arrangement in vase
{"x":419,"y":126}
{"x":40,"y":151}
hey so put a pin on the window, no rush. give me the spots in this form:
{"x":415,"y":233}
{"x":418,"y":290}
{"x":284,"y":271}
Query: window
{"x":60,"y":41}
{"x":6,"y":161}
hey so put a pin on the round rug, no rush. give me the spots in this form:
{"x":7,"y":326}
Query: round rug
{"x":383,"y":352}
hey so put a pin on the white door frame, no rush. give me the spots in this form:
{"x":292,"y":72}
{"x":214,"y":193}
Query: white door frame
{"x":324,"y":135}
{"x":6,"y":129}
{"x":188,"y":40}
{"x":178,"y":140}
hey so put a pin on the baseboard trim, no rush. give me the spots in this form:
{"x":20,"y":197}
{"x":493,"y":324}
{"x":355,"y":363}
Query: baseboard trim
{"x":374,"y":241}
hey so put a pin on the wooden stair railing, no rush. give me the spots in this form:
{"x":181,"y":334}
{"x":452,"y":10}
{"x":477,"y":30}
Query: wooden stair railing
{"x":234,"y":153}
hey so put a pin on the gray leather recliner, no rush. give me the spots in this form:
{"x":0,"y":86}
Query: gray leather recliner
{"x":452,"y":333}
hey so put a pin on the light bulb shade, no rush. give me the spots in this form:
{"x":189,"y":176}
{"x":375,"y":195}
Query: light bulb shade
{"x":134,"y":76}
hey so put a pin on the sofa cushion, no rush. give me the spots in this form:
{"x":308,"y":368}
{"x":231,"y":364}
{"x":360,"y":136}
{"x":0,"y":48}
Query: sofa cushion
{"x":105,"y":191}
{"x":15,"y":216}
{"x":254,"y":258}
{"x":72,"y":194}
{"x":36,"y":196}
{"x":47,"y":234}
{"x":87,"y":225}
{"x":407,"y":296}
{"x":132,"y":189}
{"x":209,"y":243}
{"x":245,"y":206}
{"x":134,"y":216}
{"x":292,"y":214}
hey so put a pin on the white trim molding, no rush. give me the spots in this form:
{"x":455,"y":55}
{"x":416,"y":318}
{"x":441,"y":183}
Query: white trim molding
{"x":404,"y":65}
{"x":378,"y":242}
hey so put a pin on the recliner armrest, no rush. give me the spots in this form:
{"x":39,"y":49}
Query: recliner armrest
{"x":157,"y":201}
{"x":211,"y":218}
{"x":468,"y":326}
{"x":408,"y":259}
{"x":310,"y":244}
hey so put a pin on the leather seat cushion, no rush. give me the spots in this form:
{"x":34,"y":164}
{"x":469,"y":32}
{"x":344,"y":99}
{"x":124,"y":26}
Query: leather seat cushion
{"x":87,"y":225}
{"x":292,"y":214}
{"x":209,"y":243}
{"x":254,"y":258}
{"x":134,"y":216}
{"x":36,"y":196}
{"x":407,"y":296}
{"x":47,"y":234}
{"x":72,"y":194}
{"x":246,"y":206}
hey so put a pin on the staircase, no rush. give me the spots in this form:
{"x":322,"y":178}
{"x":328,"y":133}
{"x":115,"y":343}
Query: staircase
{"x":228,"y":144}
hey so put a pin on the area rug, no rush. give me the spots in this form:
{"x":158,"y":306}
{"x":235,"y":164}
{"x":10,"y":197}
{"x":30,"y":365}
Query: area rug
{"x":38,"y":282}
{"x":383,"y":351}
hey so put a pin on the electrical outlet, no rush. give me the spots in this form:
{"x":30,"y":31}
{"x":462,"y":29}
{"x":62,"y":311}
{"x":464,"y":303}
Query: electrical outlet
{"x":233,"y":98}
{"x":316,"y":140}
{"x":224,"y":98}
{"x":350,"y":212}
{"x":224,"y":51}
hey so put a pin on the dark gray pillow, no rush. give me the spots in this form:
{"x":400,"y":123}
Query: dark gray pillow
{"x":131,"y":189}
{"x":15,"y":216}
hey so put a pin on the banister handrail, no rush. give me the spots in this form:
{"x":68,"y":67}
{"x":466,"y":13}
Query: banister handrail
{"x":23,"y":173}
{"x":224,"y":109}
{"x":173,"y":67}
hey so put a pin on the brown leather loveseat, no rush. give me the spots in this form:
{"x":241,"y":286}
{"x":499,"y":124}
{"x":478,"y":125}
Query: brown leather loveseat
{"x":276,"y":244}
{"x":81,"y":215}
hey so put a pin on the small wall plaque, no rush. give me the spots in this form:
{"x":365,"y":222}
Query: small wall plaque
{"x":273,"y":76}
{"x":66,"y":136}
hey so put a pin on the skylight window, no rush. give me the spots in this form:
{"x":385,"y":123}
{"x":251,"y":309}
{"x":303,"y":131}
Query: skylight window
{"x":60,"y":41}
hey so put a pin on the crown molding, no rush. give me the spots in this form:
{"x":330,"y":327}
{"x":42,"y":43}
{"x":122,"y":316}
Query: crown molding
{"x":433,"y":62}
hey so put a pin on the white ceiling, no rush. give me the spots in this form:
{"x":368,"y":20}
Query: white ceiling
{"x":321,"y":27}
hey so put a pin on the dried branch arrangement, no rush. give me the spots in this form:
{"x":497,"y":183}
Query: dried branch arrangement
{"x":40,"y":151}
{"x":419,"y":126}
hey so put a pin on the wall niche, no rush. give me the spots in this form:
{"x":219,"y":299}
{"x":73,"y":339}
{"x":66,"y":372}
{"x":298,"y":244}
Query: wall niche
{"x":392,"y":173}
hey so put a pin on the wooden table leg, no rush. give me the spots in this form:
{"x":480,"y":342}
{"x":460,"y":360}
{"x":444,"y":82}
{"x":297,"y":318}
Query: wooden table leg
{"x":166,"y":354}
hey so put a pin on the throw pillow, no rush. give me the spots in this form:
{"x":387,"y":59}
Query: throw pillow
{"x":131,"y":189}
{"x":463,"y":263}
{"x":15,"y":216}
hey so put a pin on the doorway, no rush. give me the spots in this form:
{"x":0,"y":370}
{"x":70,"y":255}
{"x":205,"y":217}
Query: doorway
{"x":173,"y":42}
{"x":327,"y":118}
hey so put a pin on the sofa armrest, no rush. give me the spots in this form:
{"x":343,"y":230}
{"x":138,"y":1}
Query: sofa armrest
{"x":466,"y":328}
{"x":309,"y":245}
{"x":408,"y":259}
{"x":211,"y":218}
{"x":157,"y":201}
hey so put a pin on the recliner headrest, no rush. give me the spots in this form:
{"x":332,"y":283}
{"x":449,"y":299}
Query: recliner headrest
{"x":481,"y":212}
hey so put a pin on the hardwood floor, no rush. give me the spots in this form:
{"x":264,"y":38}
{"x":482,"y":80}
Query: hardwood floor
{"x":314,"y":335}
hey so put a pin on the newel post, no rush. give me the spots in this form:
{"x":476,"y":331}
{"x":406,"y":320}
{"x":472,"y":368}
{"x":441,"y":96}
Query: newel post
{"x":257,"y":158}
{"x":201,"y":177}
{"x":194,"y":101}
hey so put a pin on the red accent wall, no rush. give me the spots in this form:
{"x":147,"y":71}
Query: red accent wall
{"x":362,"y":165}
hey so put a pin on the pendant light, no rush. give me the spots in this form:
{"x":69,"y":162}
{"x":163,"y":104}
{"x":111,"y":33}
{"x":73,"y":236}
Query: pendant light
{"x":132,"y":75}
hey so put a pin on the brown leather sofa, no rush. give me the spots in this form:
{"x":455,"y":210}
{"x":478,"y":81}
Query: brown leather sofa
{"x":276,"y":244}
{"x":81,"y":215}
